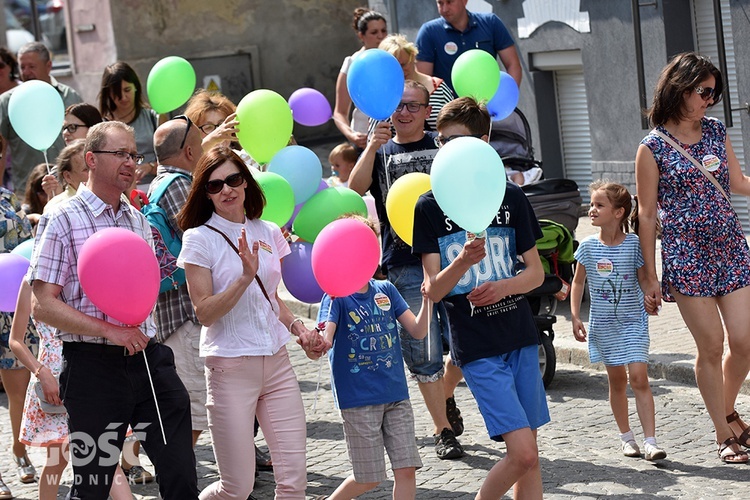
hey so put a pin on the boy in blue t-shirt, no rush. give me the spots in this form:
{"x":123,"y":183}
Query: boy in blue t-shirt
{"x":369,"y":384}
{"x":493,"y":335}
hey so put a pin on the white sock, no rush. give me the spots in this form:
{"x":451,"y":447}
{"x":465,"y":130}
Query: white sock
{"x":627,"y":437}
{"x":650,"y":440}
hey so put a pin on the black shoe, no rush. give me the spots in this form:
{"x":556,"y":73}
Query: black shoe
{"x":454,"y":416}
{"x":138,"y":475}
{"x":262,"y":460}
{"x":447,"y":446}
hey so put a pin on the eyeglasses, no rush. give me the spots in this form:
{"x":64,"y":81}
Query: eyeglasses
{"x":217,"y":185}
{"x":207,"y":128}
{"x":71,"y":129}
{"x":124,"y":156}
{"x":411,"y":107}
{"x":187,"y":129}
{"x":706,"y":93}
{"x":442,"y":140}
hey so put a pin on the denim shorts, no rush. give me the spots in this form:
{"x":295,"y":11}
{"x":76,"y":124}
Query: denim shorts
{"x":424,"y":367}
{"x":509,"y":391}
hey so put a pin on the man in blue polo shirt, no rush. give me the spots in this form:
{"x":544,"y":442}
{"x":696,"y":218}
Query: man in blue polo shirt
{"x":457,"y":30}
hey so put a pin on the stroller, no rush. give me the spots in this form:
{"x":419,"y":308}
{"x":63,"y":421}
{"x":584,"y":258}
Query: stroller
{"x":556,"y":204}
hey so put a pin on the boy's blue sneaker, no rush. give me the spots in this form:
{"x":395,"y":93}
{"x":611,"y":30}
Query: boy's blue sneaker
{"x":447,"y":446}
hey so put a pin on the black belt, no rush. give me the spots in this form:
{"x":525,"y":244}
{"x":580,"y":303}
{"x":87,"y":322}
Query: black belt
{"x":101,"y":349}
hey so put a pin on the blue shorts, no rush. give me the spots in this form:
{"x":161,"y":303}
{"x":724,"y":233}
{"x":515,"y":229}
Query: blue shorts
{"x":408,"y":282}
{"x":509,"y":391}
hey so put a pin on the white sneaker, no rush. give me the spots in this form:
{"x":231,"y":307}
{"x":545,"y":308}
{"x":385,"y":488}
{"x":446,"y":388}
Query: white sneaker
{"x":630,"y":449}
{"x":653,"y":452}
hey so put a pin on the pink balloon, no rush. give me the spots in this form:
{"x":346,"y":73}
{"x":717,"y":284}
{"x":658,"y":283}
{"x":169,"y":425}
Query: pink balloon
{"x":120,"y":274}
{"x":345,"y":255}
{"x":13,"y":267}
{"x":309,"y":107}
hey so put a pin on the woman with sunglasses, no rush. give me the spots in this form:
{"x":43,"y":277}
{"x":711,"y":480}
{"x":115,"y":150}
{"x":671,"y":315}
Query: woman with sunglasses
{"x":705,"y":264}
{"x":232,"y":262}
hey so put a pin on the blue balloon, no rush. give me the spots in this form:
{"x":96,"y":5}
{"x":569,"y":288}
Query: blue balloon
{"x":24,"y":249}
{"x":36,"y":112}
{"x":468,"y":181}
{"x":301,"y":168}
{"x":376,"y":83}
{"x":505,"y":99}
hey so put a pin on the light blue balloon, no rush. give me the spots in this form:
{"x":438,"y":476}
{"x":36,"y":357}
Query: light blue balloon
{"x":468,"y":181}
{"x":24,"y":249}
{"x":36,"y":112}
{"x":301,"y":168}
{"x":375,"y":82}
{"x":505,"y":99}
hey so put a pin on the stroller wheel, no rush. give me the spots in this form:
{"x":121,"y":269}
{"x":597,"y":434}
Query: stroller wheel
{"x":547,"y":358}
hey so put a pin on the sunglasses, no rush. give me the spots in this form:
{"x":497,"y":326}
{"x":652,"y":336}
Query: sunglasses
{"x":187,"y":131}
{"x":706,"y":93}
{"x":442,"y":140}
{"x":411,"y":107}
{"x":217,"y":185}
{"x":71,"y":129}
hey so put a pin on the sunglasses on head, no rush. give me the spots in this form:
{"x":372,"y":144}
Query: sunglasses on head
{"x":187,"y":130}
{"x":217,"y":185}
{"x":706,"y":93}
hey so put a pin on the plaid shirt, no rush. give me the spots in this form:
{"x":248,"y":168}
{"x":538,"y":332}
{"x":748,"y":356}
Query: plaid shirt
{"x":59,"y":238}
{"x":173,"y":308}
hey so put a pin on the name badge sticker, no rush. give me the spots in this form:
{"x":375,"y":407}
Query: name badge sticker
{"x":450,"y":48}
{"x":382,"y":301}
{"x":711,"y":163}
{"x":604,"y":267}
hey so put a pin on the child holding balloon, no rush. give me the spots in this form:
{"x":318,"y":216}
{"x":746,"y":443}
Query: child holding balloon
{"x":369,"y":383}
{"x":493,"y":335}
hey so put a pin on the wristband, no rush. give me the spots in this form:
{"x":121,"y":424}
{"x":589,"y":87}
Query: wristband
{"x":38,"y":370}
{"x":293,"y":322}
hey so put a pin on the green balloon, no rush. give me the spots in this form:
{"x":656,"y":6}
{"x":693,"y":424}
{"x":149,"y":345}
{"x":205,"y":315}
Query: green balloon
{"x":325,"y":207}
{"x":279,"y":197}
{"x":265,"y":124}
{"x":170,"y":84}
{"x":476,"y":74}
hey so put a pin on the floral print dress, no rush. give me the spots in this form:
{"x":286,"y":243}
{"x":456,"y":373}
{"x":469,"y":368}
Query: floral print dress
{"x":704,"y":251}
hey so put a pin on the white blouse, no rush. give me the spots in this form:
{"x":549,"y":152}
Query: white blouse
{"x":252,"y":327}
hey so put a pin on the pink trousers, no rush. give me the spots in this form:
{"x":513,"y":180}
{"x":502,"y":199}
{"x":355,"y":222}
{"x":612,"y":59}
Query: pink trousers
{"x":267,"y":387}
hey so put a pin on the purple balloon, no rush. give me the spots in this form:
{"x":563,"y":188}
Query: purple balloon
{"x":310,"y":107}
{"x":505,"y":99}
{"x":296,"y":270}
{"x":13,"y":267}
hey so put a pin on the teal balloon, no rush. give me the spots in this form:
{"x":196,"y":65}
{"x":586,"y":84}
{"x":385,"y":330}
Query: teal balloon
{"x":279,"y":197}
{"x":476,"y":74}
{"x":170,"y":84}
{"x":36,"y":112}
{"x":323,"y":208}
{"x":301,"y":168}
{"x":24,"y":249}
{"x":468,"y":181}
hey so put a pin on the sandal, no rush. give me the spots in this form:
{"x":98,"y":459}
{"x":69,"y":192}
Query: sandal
{"x":744,"y":438}
{"x":5,"y":493}
{"x":731,"y":453}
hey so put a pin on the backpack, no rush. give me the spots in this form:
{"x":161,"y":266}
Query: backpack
{"x":167,"y":244}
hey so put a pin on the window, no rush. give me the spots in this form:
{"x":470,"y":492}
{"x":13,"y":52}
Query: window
{"x":22,"y":23}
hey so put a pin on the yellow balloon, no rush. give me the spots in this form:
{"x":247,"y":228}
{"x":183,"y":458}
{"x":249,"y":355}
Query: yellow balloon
{"x":401,"y":200}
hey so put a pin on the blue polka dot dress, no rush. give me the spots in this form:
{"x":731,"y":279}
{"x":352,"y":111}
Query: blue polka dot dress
{"x":704,"y":251}
{"x":618,"y":324}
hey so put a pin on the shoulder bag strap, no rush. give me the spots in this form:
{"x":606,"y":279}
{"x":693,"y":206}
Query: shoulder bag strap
{"x":695,"y":162}
{"x":237,"y":250}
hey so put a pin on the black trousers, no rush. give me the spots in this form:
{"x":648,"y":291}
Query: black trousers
{"x":104,"y":391}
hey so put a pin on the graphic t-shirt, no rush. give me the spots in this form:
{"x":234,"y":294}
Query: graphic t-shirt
{"x":366,"y":363}
{"x":497,"y":328}
{"x":391,"y":162}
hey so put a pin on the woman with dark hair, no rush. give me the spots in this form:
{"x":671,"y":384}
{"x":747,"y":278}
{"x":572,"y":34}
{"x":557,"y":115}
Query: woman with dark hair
{"x":8,"y":70}
{"x":79,"y":118}
{"x":232,"y":262}
{"x":121,"y":99}
{"x":371,"y":29}
{"x":36,"y":196}
{"x":685,"y":169}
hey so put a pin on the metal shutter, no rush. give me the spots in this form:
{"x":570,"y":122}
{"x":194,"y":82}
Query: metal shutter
{"x":575,"y":133}
{"x":705,"y":33}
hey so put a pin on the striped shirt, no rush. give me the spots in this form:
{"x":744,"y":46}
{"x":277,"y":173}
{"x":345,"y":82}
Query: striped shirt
{"x":61,"y":234}
{"x":173,"y":308}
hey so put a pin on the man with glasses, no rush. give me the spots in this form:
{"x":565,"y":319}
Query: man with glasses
{"x":383,"y":161}
{"x":36,"y":64}
{"x":105,"y":382}
{"x":178,"y":148}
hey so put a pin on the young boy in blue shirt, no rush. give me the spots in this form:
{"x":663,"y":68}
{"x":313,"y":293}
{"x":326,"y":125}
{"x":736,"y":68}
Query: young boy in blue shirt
{"x":493,"y":335}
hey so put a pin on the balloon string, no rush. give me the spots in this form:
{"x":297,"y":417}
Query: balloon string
{"x":475,"y":267}
{"x":320,"y":359}
{"x":429,"y":330}
{"x":46,"y":162}
{"x":387,"y":173}
{"x":153,"y":391}
{"x":489,"y":133}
